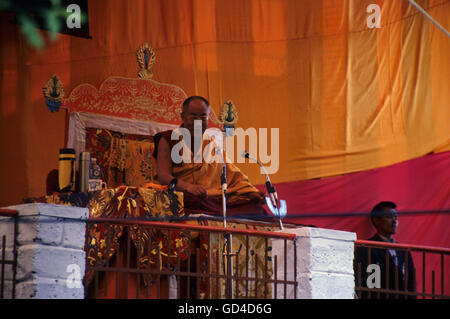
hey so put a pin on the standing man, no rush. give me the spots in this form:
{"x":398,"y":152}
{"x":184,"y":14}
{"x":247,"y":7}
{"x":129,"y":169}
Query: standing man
{"x":394,"y":263}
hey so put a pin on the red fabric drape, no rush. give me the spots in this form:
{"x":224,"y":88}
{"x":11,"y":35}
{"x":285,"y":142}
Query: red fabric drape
{"x":419,"y":187}
{"x":345,"y":97}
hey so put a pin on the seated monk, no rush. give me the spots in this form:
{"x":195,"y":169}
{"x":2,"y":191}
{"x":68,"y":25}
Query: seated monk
{"x":199,"y":180}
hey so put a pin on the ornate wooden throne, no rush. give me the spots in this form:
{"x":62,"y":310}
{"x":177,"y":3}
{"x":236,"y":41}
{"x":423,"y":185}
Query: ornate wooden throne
{"x":116,"y":124}
{"x":117,"y":121}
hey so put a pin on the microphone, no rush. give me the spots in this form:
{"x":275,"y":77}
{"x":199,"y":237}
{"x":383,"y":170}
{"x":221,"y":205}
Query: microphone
{"x":270,"y":189}
{"x":278,"y":208}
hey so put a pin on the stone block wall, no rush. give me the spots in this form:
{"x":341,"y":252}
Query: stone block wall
{"x":50,"y":251}
{"x":324,"y":264}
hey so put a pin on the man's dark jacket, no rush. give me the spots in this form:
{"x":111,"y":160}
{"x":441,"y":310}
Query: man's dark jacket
{"x":405,"y":271}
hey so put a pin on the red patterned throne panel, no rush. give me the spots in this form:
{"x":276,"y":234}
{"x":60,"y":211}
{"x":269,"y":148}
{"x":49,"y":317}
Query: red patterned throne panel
{"x":142,"y":99}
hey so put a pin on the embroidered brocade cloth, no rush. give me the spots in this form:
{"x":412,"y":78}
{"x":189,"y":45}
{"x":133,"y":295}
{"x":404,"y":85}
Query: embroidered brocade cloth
{"x":102,"y":239}
{"x":125,"y":159}
{"x":254,"y":261}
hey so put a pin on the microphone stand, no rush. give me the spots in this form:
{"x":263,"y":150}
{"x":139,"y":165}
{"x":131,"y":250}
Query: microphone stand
{"x":227,"y":236}
{"x":228,"y":118}
{"x":223,"y":181}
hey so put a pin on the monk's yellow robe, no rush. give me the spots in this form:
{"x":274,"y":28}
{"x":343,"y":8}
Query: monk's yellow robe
{"x":206,"y":170}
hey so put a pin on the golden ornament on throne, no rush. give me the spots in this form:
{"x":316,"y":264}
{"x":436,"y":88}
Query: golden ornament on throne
{"x":146,"y":58}
{"x":53,"y":93}
{"x":228,"y":115}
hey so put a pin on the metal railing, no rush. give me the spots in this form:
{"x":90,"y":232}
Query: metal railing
{"x":8,"y":253}
{"x":152,"y":259}
{"x":161,"y":260}
{"x":401,"y":271}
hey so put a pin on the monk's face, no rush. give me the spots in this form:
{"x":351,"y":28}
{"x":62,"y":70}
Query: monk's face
{"x":196,"y":110}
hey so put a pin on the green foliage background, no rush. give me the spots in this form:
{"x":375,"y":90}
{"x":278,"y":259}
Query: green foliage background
{"x":54,"y":17}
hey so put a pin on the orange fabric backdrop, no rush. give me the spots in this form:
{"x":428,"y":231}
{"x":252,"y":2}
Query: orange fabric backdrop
{"x":346,"y":98}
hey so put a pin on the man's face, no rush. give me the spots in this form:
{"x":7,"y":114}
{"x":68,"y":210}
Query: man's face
{"x":387,"y":224}
{"x":196,"y":110}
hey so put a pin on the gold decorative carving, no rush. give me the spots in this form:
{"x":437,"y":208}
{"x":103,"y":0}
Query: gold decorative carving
{"x":228,"y":114}
{"x":145,"y":58}
{"x":53,"y":89}
{"x":53,"y":93}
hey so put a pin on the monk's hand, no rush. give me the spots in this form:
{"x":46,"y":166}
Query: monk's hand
{"x":197,"y":190}
{"x":257,"y":197}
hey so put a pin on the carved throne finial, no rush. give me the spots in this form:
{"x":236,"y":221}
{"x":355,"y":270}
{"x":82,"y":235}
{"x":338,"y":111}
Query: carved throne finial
{"x":53,"y":93}
{"x":145,"y":58}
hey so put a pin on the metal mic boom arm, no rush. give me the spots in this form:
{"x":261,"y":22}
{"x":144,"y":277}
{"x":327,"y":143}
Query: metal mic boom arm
{"x":270,"y":189}
{"x":278,"y":208}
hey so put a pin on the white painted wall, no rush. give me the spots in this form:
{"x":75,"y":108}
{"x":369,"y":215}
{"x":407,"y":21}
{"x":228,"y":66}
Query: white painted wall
{"x":324,"y":264}
{"x":50,"y":238}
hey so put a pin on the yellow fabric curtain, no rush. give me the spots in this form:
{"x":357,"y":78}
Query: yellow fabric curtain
{"x":345,"y":97}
